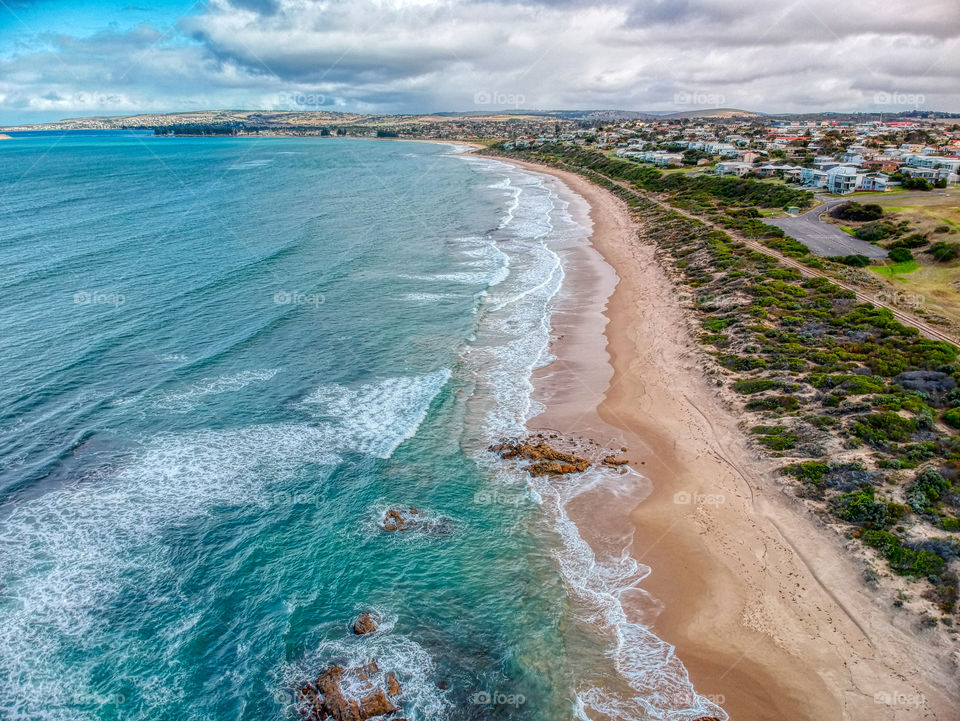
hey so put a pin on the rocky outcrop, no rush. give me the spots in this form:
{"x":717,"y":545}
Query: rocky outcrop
{"x":401,"y":519}
{"x":350,"y":694}
{"x":614,"y":461}
{"x":366,"y":623}
{"x":544,"y":460}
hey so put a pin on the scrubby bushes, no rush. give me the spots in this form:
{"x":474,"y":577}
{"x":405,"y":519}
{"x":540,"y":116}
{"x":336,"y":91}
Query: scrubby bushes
{"x":900,"y":255}
{"x":748,"y":386}
{"x":845,"y":372}
{"x":879,"y":429}
{"x":952,"y":417}
{"x":904,"y":561}
{"x":810,"y":471}
{"x":926,"y":489}
{"x":944,"y":252}
{"x":786,"y":404}
{"x":873,"y":232}
{"x":861,"y":507}
{"x":855,"y":211}
{"x":776,"y":438}
{"x":856,"y":261}
{"x":916,"y":240}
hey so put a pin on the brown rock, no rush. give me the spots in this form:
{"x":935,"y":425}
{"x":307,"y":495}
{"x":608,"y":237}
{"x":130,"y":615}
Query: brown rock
{"x":349,"y":694}
{"x":400,"y":519}
{"x":393,"y":686}
{"x":546,"y":461}
{"x":614,"y":461}
{"x":366,"y":623}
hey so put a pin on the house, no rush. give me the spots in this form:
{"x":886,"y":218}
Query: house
{"x":813,"y":178}
{"x":842,"y":179}
{"x":731,"y":167}
{"x":875,"y":182}
{"x":932,"y":161}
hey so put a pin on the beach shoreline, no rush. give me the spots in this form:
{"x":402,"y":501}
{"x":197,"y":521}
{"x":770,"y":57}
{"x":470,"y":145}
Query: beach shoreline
{"x":769,"y":616}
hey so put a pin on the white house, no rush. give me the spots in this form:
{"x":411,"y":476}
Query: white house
{"x":731,"y":167}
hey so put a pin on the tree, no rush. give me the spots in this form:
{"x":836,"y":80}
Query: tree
{"x":900,"y":255}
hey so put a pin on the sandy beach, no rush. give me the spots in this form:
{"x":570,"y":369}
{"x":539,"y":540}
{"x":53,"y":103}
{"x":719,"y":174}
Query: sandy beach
{"x":766,"y":610}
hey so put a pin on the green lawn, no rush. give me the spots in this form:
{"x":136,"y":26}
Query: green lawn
{"x":895,"y":269}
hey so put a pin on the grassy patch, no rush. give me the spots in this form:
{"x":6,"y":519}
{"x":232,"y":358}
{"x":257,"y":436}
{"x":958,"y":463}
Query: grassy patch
{"x":895,"y":269}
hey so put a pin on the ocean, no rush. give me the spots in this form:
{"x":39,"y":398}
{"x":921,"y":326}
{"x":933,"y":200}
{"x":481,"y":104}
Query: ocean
{"x":223,"y":361}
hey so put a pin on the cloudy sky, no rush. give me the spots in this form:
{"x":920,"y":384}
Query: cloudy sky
{"x":62,"y":58}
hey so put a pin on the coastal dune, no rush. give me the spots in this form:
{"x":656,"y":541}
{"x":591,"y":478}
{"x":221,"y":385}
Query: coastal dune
{"x":766,"y":611}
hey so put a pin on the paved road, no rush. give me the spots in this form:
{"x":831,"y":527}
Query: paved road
{"x":827,"y":239}
{"x":824,"y":238}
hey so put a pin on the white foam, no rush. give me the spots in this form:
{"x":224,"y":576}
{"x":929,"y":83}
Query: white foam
{"x":512,"y":342}
{"x":375,"y":418}
{"x":421,"y":699}
{"x":69,"y":553}
{"x":183,"y":401}
{"x":250,"y":164}
{"x":430,"y":297}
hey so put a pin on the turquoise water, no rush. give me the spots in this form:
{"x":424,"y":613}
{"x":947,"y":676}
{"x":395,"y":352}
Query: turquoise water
{"x":223,"y":360}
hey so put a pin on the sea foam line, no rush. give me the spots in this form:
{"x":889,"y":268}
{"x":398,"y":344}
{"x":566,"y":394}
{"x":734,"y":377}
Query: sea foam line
{"x":649,"y":665}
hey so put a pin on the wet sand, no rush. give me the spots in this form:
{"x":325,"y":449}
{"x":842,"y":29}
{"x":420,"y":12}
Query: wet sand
{"x":766,"y":611}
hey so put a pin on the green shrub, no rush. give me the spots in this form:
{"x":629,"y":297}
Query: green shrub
{"x":916,"y":184}
{"x":861,"y":507}
{"x":775,"y":437}
{"x":904,"y":561}
{"x":943,"y":252}
{"x":853,"y":384}
{"x":856,"y":261}
{"x":774,"y":403}
{"x":926,"y":489}
{"x":855,"y":211}
{"x":753,"y":385}
{"x":873,"y":232}
{"x":900,"y":255}
{"x":715,"y":325}
{"x":916,"y":240}
{"x":812,"y":471}
{"x":878,"y":429}
{"x":951,"y":417}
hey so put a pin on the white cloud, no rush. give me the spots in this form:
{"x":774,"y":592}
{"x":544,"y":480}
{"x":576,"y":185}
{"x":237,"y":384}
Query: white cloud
{"x":419,"y":56}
